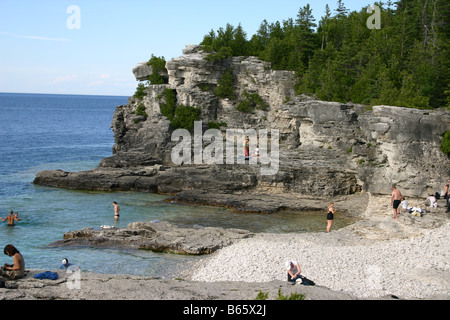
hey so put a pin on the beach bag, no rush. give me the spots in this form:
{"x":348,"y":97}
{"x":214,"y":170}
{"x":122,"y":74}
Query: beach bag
{"x":306,"y":281}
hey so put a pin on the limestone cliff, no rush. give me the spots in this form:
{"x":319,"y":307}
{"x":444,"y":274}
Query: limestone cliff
{"x":326,"y":148}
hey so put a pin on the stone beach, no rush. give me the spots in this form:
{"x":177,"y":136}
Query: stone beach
{"x":416,"y":266}
{"x":375,"y":258}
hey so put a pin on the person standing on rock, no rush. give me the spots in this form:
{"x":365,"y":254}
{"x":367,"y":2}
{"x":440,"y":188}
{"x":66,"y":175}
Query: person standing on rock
{"x":116,"y":210}
{"x":330,"y":216}
{"x":247,"y":148}
{"x":446,"y":195}
{"x":396,"y":199}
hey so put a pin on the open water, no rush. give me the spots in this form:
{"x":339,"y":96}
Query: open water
{"x":72,"y":132}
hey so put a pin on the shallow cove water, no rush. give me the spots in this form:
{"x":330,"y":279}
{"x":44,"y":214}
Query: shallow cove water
{"x":43,"y":132}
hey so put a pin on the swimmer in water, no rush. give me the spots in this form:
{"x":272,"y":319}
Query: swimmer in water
{"x":11,"y":218}
{"x":116,"y":210}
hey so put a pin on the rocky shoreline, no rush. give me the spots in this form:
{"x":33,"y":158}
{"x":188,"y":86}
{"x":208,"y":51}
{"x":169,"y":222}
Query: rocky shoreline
{"x":348,"y":153}
{"x":156,"y":236}
{"x":375,"y":258}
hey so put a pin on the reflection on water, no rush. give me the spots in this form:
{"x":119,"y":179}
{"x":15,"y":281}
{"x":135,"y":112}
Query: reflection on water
{"x":282,"y":222}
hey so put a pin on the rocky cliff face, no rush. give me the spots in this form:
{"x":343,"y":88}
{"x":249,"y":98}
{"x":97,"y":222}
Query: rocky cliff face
{"x":325,"y":148}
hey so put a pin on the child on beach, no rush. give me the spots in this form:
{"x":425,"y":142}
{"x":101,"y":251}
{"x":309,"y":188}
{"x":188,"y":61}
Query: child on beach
{"x":330,"y":216}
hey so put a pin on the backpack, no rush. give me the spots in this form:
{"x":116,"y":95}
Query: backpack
{"x":306,"y":281}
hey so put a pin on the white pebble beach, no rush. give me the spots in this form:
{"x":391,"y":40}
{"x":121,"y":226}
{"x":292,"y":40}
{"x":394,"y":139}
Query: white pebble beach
{"x":417,"y":265}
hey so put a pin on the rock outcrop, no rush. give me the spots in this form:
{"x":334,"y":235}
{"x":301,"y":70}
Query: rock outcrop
{"x":326,"y":149}
{"x":155,"y":236}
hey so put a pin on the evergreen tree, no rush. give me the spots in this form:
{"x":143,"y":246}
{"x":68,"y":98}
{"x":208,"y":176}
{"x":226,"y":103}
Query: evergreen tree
{"x":404,"y":63}
{"x":341,"y":10}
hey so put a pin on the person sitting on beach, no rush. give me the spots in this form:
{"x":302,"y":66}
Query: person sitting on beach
{"x":11,"y":218}
{"x":404,"y":205}
{"x":431,"y":201}
{"x":293,"y":269}
{"x":17,"y":269}
{"x":256,"y":154}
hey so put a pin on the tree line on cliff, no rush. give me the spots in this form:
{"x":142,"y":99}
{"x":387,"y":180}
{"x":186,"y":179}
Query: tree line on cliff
{"x":404,"y":63}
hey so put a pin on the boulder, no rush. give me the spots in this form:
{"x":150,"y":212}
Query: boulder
{"x":142,"y":71}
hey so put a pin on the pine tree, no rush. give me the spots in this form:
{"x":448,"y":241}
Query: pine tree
{"x":341,"y":10}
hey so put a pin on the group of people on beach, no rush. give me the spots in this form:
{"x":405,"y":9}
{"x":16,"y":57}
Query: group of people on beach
{"x":398,"y":199}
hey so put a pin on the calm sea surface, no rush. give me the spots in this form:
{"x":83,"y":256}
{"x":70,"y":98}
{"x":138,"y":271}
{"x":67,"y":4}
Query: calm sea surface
{"x":69,"y":132}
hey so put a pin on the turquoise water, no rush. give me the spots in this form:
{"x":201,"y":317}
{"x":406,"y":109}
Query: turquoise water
{"x":43,"y":132}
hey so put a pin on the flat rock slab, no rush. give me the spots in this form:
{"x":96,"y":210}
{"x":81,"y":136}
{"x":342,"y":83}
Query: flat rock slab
{"x":95,"y":286}
{"x":155,"y":236}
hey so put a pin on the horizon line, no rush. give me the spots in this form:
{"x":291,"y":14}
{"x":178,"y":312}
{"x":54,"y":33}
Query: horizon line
{"x":66,"y":94}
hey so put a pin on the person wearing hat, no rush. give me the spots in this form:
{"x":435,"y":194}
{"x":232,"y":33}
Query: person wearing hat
{"x":66,"y":265}
{"x":293,"y":269}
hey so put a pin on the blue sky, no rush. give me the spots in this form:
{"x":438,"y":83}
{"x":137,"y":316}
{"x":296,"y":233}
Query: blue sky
{"x":41,"y":54}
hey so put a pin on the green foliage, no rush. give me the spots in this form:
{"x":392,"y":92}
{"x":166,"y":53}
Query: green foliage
{"x":168,"y":108}
{"x":224,"y":53}
{"x":206,"y":86}
{"x":180,"y":116}
{"x":216,"y":125}
{"x":262,"y":295}
{"x":184,"y":117}
{"x":405,"y":63}
{"x":140,"y":111}
{"x":140,"y":91}
{"x":445,"y":145}
{"x":225,"y":88}
{"x":226,"y":43}
{"x":158,"y":64}
{"x":250,"y":102}
{"x":293,"y":296}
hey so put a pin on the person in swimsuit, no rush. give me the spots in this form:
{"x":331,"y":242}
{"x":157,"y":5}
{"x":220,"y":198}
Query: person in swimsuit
{"x":11,"y":218}
{"x":116,"y":210}
{"x":396,"y":199}
{"x":247,"y":148}
{"x":330,"y":216}
{"x":17,"y":269}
